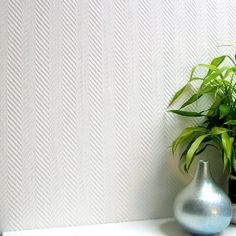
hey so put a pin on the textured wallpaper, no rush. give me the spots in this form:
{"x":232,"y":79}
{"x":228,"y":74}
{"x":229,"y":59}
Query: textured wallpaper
{"x":84,"y":88}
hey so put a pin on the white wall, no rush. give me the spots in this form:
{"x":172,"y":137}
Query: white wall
{"x":84,"y":87}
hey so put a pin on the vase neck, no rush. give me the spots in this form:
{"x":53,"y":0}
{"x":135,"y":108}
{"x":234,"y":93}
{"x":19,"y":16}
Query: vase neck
{"x":203,"y":171}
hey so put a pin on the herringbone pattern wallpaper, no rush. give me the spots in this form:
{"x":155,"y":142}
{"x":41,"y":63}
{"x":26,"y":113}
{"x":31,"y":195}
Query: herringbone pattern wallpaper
{"x":84,"y":88}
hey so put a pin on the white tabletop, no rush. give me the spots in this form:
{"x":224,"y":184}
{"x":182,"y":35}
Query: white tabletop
{"x":160,"y":227}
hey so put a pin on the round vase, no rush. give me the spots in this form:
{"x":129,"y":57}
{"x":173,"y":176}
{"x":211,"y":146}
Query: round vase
{"x":202,"y":208}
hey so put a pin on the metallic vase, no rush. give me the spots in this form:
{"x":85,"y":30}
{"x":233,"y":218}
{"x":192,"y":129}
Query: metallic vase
{"x":202,"y":208}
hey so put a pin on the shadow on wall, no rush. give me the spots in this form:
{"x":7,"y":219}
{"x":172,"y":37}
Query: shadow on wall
{"x":216,"y":168}
{"x":156,"y":193}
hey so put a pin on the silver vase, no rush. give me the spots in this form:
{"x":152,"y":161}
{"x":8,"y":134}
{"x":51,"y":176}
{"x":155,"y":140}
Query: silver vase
{"x":202,"y":208}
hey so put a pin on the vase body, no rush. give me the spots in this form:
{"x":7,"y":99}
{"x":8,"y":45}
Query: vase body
{"x":202,"y":208}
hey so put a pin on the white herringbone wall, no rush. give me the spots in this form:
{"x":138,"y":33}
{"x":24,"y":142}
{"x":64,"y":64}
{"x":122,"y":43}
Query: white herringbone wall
{"x":84,"y":88}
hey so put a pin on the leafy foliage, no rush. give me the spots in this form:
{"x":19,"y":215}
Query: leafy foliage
{"x":218,"y":126}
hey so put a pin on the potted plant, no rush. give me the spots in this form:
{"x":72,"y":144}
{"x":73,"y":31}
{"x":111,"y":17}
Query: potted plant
{"x":217,"y":122}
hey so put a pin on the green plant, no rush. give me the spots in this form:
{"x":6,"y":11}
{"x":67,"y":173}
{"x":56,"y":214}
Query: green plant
{"x":217,"y":124}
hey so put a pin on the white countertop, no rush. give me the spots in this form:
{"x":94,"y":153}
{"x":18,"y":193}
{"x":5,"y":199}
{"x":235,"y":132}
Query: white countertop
{"x":160,"y":227}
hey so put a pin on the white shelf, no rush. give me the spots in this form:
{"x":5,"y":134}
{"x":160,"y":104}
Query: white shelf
{"x":160,"y":227}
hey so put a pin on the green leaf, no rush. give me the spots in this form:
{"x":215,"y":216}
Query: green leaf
{"x":208,"y":89}
{"x":218,"y":130}
{"x":187,"y":134}
{"x":186,"y":150}
{"x":209,"y":79}
{"x":227,"y":143}
{"x":210,"y":67}
{"x":214,"y":107}
{"x":224,"y":110}
{"x":230,"y":71}
{"x":192,"y":150}
{"x":192,"y":73}
{"x":216,"y":62}
{"x":230,"y":122}
{"x":191,"y":100}
{"x":195,"y":78}
{"x":177,"y":94}
{"x":186,"y":113}
{"x":227,"y":163}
